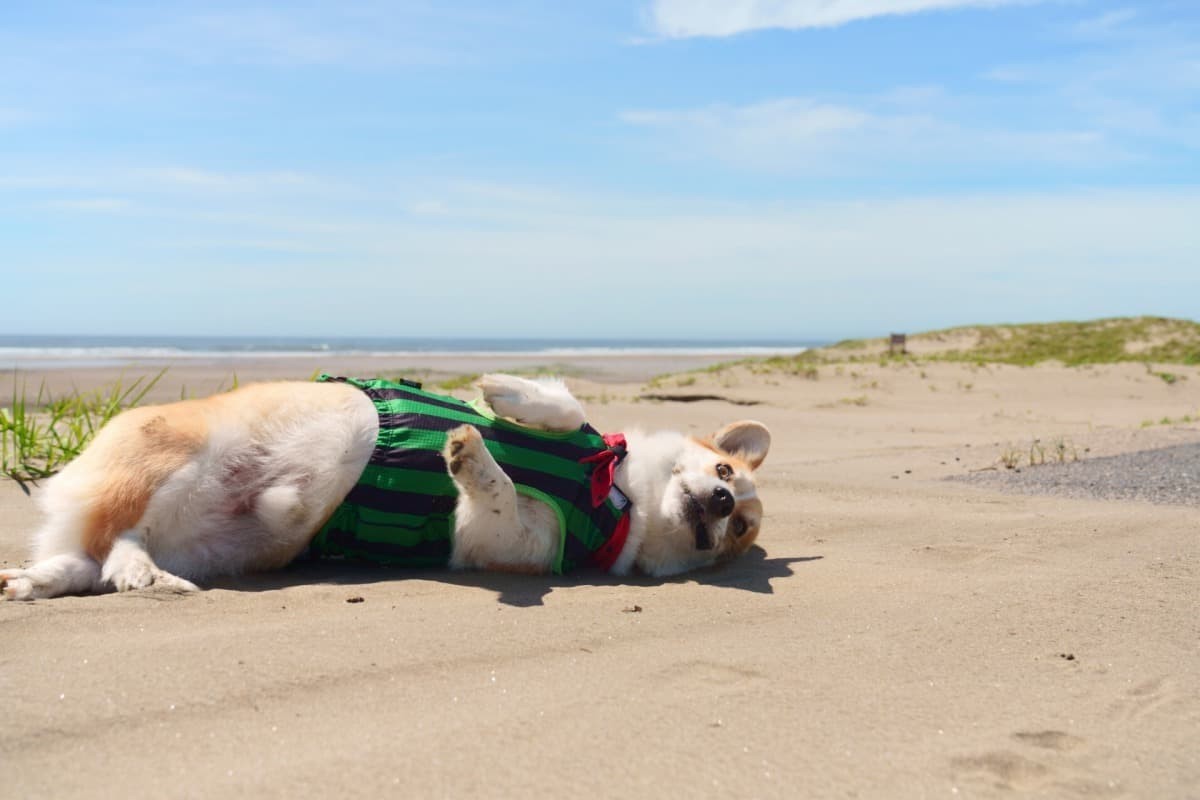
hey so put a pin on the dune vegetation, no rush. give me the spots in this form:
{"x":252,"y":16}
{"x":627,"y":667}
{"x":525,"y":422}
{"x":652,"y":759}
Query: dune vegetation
{"x":1150,"y":340}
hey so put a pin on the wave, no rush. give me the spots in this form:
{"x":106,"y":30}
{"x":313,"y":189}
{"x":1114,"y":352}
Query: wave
{"x":110,"y":354}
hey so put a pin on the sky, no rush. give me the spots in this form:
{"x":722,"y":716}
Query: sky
{"x":713,"y":169}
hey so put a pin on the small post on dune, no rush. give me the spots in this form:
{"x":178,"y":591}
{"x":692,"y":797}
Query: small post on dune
{"x":898,"y":344}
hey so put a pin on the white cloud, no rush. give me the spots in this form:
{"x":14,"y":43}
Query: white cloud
{"x":193,"y":178}
{"x":1138,"y":88}
{"x":1105,"y":25}
{"x":895,"y":131}
{"x":678,"y":19}
{"x":355,"y":35}
{"x":428,"y":208}
{"x":12,"y":117}
{"x":798,"y":269}
{"x":787,"y":119}
{"x":105,"y":205}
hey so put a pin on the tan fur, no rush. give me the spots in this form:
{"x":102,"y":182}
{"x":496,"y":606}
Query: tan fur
{"x":739,"y":465}
{"x":145,"y":447}
{"x":734,"y":546}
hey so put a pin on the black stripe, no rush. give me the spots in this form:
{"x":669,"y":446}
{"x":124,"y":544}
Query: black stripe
{"x":408,"y":458}
{"x":395,"y":501}
{"x":441,"y":401}
{"x":385,"y":394}
{"x":575,"y":554}
{"x":454,"y":404}
{"x":342,"y":542}
{"x":429,"y":422}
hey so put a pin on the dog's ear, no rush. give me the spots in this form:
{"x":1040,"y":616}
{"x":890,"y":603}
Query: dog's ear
{"x":747,"y":439}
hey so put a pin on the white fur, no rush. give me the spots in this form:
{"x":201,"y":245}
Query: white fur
{"x":66,"y":573}
{"x":544,"y":403}
{"x":494,"y":527}
{"x":274,"y":460}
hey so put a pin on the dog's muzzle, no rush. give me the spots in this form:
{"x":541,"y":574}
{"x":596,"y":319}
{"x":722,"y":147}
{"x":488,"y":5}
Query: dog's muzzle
{"x":718,"y":506}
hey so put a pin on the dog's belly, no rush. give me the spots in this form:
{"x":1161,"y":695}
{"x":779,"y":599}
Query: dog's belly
{"x":277,"y":461}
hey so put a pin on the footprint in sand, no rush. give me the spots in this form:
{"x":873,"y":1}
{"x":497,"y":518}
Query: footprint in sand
{"x":1049,"y":760}
{"x":1009,"y":770}
{"x":712,"y":673}
{"x":1048,"y":740}
{"x":1144,"y":698}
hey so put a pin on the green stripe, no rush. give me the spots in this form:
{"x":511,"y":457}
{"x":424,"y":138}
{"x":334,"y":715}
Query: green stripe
{"x":532,"y":459}
{"x":377,"y":518}
{"x":416,"y":439}
{"x":538,"y":494}
{"x":404,"y":405}
{"x":437,"y":527}
{"x":417,"y":481}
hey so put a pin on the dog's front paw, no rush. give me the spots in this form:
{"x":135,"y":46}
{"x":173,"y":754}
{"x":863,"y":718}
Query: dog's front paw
{"x":463,"y":445}
{"x":471,"y":465}
{"x":166,"y":582}
{"x":131,"y":574}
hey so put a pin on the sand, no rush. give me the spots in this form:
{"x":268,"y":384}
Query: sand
{"x":897,"y":634}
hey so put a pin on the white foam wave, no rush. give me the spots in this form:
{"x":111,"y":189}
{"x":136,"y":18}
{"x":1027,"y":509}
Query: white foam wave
{"x":19,"y":355}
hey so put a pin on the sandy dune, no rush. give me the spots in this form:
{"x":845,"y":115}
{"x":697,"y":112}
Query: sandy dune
{"x":897,"y":634}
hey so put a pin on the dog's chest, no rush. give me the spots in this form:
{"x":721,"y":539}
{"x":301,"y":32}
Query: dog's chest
{"x":401,"y":510}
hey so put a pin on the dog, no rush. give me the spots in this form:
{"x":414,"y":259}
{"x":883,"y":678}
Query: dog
{"x":169,"y":496}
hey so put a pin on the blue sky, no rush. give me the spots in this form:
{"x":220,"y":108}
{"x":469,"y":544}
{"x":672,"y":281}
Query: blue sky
{"x":705,"y":168}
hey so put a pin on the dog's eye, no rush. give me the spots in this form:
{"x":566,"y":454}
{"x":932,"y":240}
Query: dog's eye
{"x":724,"y":471}
{"x":739,"y":526}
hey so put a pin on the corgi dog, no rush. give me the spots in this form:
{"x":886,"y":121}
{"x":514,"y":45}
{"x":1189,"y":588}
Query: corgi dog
{"x":174,"y":495}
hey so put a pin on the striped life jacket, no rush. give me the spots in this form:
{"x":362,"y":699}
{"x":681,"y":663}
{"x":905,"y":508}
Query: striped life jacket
{"x":401,"y":511}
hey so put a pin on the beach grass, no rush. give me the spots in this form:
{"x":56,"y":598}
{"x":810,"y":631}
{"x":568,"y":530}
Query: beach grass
{"x":1151,"y":340}
{"x":39,"y":436}
{"x":1146,"y":340}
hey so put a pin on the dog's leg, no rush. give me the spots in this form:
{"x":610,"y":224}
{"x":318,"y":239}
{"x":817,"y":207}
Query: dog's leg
{"x":129,"y":566}
{"x":489,"y":529}
{"x":67,"y":573}
{"x":545,"y":403}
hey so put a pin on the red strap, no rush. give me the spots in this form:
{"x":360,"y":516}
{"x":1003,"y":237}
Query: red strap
{"x":602,"y":483}
{"x":606,"y":466}
{"x":607,"y":554}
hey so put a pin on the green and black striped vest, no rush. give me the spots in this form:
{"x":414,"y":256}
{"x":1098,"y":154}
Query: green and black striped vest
{"x":401,"y":511}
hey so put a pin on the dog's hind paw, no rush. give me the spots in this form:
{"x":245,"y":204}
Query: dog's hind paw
{"x":544,"y":403}
{"x":15,"y":586}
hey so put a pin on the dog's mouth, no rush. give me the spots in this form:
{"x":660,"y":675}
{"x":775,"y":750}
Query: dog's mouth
{"x":696,"y":515}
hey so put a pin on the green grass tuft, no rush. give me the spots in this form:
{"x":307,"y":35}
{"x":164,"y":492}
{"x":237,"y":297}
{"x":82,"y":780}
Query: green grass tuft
{"x":38,"y":439}
{"x":1148,"y":340}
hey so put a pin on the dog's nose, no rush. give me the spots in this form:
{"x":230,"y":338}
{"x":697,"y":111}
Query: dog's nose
{"x":720,"y":504}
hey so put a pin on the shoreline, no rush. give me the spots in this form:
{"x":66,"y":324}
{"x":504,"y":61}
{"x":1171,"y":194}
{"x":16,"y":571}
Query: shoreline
{"x":197,"y":377}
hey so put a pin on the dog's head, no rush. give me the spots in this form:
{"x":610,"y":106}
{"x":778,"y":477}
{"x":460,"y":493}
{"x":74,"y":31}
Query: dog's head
{"x":696,"y":499}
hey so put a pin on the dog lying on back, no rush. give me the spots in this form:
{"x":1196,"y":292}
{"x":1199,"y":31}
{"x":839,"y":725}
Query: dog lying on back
{"x":252,"y":479}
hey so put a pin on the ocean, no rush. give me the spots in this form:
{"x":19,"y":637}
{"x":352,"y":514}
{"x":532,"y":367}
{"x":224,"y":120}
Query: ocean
{"x":65,"y":351}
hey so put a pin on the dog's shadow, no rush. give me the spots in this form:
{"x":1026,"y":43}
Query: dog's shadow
{"x":752,"y":572}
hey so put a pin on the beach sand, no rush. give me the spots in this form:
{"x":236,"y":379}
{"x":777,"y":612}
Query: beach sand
{"x":897,"y":634}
